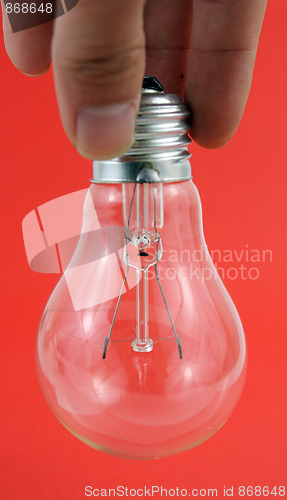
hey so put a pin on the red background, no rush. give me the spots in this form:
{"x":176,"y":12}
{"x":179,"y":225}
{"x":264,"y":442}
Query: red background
{"x":243,"y":191}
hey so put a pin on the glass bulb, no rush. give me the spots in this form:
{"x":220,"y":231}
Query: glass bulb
{"x":140,"y":351}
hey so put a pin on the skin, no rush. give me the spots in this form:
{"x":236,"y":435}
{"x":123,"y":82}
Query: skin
{"x":204,"y":50}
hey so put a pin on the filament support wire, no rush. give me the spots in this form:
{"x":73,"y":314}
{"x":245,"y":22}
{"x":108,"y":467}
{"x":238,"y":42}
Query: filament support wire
{"x":177,"y":338}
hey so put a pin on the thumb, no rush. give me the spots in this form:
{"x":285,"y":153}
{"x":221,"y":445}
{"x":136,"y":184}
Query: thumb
{"x":98,"y":53}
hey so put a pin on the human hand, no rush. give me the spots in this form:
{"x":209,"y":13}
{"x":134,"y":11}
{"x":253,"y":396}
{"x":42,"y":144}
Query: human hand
{"x":203,"y":50}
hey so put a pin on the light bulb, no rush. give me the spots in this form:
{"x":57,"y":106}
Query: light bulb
{"x":140,"y":350}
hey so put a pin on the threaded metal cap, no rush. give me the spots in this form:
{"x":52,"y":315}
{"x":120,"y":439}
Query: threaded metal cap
{"x":161,"y":141}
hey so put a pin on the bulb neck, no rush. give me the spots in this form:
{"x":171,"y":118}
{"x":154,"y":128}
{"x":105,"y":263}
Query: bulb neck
{"x":160,"y":145}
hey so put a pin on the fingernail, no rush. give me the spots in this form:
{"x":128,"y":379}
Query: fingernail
{"x":105,"y":132}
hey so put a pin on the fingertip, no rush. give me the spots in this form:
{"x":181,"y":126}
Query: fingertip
{"x":215,"y":121}
{"x":28,"y":66}
{"x":105,"y":132}
{"x":36,"y":73}
{"x":104,"y":155}
{"x":29,"y":50}
{"x":211,"y":142}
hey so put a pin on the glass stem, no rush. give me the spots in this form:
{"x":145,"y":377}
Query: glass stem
{"x":142,"y":342}
{"x":142,"y":307}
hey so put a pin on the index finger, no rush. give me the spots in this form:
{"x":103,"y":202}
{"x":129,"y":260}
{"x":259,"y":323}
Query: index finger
{"x":225,"y":37}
